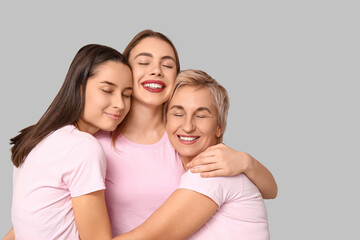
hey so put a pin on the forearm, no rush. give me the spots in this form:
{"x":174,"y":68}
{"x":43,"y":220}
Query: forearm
{"x":10,"y":235}
{"x":180,"y":216}
{"x":262,"y":178}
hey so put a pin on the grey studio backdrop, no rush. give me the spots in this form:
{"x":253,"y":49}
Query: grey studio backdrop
{"x":291,"y":69}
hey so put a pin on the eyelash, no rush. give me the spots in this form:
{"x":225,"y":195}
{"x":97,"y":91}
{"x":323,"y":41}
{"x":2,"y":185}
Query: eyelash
{"x":106,"y":91}
{"x":145,"y":64}
{"x":167,"y":66}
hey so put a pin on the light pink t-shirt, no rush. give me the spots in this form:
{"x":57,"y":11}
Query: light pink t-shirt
{"x":67,"y":163}
{"x":139,"y":179}
{"x":241,"y":213}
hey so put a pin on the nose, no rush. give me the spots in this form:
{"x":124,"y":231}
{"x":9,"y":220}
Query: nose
{"x":118,"y":102}
{"x":156,"y":70}
{"x":188,"y":125}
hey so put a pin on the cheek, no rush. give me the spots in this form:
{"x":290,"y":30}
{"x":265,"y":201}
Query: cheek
{"x":136,"y":73}
{"x":210,"y":132}
{"x":172,"y":78}
{"x":171,"y":125}
{"x":127,"y":103}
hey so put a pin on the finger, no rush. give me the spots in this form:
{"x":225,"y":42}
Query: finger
{"x":216,"y":146}
{"x":201,"y":160}
{"x":205,"y":168}
{"x":206,"y":153}
{"x":215,"y":173}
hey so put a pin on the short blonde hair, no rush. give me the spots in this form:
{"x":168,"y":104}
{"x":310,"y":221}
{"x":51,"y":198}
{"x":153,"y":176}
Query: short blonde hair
{"x":198,"y":78}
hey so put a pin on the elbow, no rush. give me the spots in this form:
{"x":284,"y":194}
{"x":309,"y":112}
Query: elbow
{"x":271,"y":195}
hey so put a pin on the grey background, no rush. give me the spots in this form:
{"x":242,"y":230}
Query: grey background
{"x":291,"y":69}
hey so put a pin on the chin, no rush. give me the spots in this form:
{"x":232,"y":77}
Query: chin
{"x":109,"y":128}
{"x":188,"y":154}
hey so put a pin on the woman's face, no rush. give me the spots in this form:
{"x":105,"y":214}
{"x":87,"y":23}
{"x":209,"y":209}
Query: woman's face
{"x":192,"y":121}
{"x":154,"y":71}
{"x":107,"y":98}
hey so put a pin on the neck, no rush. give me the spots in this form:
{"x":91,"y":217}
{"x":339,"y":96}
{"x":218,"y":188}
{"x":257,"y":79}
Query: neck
{"x":145,"y":123}
{"x":185,"y":160}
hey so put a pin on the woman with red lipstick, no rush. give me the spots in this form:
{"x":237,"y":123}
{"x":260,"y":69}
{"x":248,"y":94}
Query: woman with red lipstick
{"x":214,"y":208}
{"x":143,"y":168}
{"x":59,"y":174}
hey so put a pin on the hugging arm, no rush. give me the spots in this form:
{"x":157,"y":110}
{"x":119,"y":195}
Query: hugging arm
{"x":184,"y":212}
{"x":91,"y":216}
{"x":221,"y":160}
{"x":10,"y":235}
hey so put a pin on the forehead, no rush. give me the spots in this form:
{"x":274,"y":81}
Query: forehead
{"x":193,"y":97}
{"x":112,"y":71}
{"x":154,"y":46}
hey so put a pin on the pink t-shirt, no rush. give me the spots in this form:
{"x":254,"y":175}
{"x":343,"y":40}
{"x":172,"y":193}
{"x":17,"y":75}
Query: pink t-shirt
{"x":67,"y":163}
{"x":241,"y":213}
{"x":139,"y":179}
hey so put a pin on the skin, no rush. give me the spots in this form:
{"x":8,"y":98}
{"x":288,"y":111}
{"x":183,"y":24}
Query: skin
{"x":192,"y":122}
{"x":107,"y":98}
{"x":151,"y":60}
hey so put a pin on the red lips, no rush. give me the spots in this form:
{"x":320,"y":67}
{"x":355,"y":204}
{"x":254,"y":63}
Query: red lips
{"x":154,"y":86}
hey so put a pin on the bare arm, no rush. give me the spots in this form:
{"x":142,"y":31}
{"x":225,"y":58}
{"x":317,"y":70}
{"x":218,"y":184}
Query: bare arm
{"x":10,"y":235}
{"x":221,"y":160}
{"x":91,"y":216}
{"x":181,"y":215}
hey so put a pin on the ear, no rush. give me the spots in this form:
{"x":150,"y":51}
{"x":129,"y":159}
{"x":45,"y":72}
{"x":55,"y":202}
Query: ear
{"x":219,"y":131}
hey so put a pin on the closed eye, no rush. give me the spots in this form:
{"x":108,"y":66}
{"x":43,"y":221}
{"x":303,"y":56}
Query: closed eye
{"x":168,"y":66}
{"x":106,"y":91}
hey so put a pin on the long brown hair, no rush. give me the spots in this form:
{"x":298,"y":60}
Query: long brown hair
{"x":68,"y":105}
{"x":135,"y":41}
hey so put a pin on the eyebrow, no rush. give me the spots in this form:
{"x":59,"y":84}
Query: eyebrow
{"x":150,"y":55}
{"x":109,"y":83}
{"x":197,"y":110}
{"x":177,"y":107}
{"x":113,"y":84}
{"x":203,"y":109}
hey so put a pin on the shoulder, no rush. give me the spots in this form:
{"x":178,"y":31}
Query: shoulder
{"x":80,"y":145}
{"x":214,"y":188}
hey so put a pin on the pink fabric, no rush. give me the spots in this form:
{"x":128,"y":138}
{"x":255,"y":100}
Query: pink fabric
{"x":139,"y":179}
{"x":241,"y":213}
{"x":68,"y":163}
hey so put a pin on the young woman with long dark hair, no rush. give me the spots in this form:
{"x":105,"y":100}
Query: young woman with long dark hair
{"x":59,"y":173}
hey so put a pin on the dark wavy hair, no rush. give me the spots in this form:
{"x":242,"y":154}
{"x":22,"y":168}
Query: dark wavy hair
{"x":68,"y":105}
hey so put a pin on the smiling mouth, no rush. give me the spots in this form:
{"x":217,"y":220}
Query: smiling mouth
{"x":154,"y":86}
{"x":188,"y":139}
{"x":113,"y":116}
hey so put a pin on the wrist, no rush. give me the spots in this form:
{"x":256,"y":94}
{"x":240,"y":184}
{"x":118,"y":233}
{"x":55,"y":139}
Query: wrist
{"x":249,"y":163}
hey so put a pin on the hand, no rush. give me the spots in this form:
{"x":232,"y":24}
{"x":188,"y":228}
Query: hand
{"x":220,"y":160}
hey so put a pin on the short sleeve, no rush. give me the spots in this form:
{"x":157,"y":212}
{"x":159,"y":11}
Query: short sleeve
{"x":85,"y":168}
{"x":219,"y":189}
